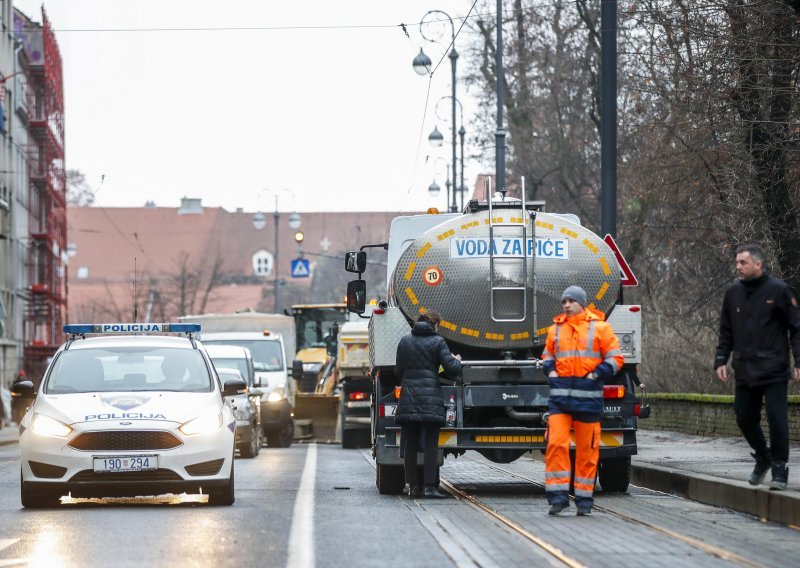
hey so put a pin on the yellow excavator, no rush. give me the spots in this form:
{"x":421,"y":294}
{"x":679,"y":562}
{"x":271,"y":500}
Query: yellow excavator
{"x":315,"y":370}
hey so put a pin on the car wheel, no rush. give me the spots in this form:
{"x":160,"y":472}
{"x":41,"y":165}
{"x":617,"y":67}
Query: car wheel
{"x":225,"y":495}
{"x":31,"y":500}
{"x":281,"y":438}
{"x":251,"y":449}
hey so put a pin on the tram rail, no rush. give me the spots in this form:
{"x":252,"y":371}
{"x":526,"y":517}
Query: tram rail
{"x":721,"y":553}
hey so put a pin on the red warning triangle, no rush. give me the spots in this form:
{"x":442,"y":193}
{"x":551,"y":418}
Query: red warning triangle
{"x":628,"y":278}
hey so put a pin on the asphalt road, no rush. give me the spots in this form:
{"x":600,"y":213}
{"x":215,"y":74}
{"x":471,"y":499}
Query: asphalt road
{"x":316,"y":505}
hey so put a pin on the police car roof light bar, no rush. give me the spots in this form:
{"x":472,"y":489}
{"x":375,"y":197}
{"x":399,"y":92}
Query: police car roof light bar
{"x":101,"y":328}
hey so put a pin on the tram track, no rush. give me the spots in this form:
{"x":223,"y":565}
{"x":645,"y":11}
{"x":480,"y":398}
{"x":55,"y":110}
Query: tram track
{"x":554,"y":551}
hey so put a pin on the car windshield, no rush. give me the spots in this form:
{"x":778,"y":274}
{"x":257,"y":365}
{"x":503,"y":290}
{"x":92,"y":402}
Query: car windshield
{"x":129,"y":369}
{"x":234,"y":363}
{"x":267,"y":353}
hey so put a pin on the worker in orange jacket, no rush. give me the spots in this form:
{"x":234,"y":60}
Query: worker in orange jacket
{"x":580,"y":353}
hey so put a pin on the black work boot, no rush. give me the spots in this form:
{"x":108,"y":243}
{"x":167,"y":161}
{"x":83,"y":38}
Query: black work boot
{"x":414,"y":491}
{"x":760,"y":470}
{"x":556,"y":508}
{"x":780,"y":476}
{"x":433,"y":492}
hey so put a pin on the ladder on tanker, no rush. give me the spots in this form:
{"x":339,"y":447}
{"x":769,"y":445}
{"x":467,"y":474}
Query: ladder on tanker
{"x":508,"y":272}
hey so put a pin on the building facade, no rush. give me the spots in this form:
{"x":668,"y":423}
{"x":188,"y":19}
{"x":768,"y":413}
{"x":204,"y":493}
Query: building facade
{"x":32,"y":195}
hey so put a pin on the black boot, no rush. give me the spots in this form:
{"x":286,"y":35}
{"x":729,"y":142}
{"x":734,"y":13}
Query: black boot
{"x":760,"y":470}
{"x":780,"y":476}
{"x":414,"y":492}
{"x":433,"y":492}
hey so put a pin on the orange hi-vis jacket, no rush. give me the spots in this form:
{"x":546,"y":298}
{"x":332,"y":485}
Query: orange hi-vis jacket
{"x":580,"y":343}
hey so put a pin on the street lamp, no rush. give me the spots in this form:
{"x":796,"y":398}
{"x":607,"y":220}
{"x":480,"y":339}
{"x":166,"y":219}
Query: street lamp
{"x":422,"y":65}
{"x":434,"y":189}
{"x":461,"y":132}
{"x":259,"y":222}
{"x":436,"y":138}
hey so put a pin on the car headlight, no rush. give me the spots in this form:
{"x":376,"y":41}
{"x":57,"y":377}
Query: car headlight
{"x":204,"y":424}
{"x":276,"y":396}
{"x":46,"y":426}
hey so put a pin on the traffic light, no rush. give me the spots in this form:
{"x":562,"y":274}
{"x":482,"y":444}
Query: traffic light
{"x":298,"y":237}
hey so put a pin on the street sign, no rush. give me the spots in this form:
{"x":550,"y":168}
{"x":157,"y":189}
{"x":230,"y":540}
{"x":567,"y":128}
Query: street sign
{"x":300,"y":268}
{"x":628,"y":278}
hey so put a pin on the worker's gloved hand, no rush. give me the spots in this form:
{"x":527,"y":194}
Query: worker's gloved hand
{"x":548,"y":367}
{"x":604,"y":371}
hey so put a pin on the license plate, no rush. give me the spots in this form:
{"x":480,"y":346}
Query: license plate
{"x":357,"y":404}
{"x":113,"y":464}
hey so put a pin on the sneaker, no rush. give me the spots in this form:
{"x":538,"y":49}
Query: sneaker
{"x":432,"y":492}
{"x":557,"y":508}
{"x":760,"y":470}
{"x":780,"y":476}
{"x":583,"y":511}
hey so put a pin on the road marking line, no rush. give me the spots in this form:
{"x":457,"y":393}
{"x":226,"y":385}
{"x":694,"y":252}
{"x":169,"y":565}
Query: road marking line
{"x":301,"y":537}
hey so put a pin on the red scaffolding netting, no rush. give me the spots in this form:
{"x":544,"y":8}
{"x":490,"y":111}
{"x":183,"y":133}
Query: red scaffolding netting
{"x":47,"y":299}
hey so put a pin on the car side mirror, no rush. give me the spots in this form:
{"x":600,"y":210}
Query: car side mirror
{"x":234,"y":387}
{"x":355,"y":261}
{"x":257,"y":391}
{"x":24,"y":390}
{"x":297,"y":369}
{"x":357,"y":296}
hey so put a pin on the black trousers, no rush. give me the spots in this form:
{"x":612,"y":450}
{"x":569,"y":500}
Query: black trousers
{"x":420,"y":437}
{"x":747,"y":405}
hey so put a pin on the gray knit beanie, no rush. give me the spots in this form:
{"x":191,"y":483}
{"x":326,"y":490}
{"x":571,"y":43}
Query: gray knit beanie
{"x":575,"y":293}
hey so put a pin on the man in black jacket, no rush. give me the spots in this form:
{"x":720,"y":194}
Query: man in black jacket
{"x":420,"y":410}
{"x":760,"y":319}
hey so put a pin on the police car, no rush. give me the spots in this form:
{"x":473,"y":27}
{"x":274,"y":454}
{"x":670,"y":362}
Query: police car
{"x":128,"y":412}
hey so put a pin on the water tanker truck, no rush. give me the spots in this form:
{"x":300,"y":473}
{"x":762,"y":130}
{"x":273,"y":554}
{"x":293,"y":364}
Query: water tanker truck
{"x":495,"y":273}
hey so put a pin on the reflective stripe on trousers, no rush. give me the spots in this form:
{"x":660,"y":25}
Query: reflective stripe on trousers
{"x":557,"y":460}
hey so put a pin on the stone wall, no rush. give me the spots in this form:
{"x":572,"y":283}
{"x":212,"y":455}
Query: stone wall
{"x":706,"y":415}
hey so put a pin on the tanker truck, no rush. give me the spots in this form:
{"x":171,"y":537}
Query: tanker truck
{"x":495,"y":274}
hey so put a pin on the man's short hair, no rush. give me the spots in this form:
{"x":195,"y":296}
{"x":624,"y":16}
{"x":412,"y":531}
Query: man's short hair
{"x":755,"y":251}
{"x":430,"y":317}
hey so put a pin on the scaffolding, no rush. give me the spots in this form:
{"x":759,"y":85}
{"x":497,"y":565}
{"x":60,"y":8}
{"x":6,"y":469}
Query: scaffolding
{"x":47,"y":293}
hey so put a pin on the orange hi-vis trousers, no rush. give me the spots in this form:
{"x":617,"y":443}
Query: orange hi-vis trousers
{"x":557,"y":462}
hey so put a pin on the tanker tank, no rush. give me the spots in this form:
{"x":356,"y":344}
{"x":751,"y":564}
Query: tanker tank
{"x":446,"y":269}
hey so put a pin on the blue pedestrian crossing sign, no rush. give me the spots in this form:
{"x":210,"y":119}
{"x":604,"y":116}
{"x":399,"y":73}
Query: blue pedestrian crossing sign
{"x":300,"y":268}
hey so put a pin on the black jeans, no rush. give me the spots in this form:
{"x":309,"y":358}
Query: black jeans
{"x":748,"y":416}
{"x":422,"y":437}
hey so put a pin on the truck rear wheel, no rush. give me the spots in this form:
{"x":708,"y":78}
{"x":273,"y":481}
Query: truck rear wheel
{"x":615,"y":474}
{"x":390,"y":479}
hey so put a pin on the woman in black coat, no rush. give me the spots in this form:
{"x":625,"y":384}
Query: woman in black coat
{"x":420,"y":411}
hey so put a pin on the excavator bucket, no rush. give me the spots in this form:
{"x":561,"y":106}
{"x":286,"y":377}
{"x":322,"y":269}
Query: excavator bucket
{"x":316,"y":417}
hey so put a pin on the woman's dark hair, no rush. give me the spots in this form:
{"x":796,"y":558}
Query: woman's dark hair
{"x":430,"y":317}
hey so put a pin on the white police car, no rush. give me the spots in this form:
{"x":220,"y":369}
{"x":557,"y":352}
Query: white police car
{"x":128,"y":415}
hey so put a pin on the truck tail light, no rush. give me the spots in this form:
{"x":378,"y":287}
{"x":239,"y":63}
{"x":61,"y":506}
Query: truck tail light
{"x":613,"y":391}
{"x":358,"y":396}
{"x":637,"y":409}
{"x":397,"y":392}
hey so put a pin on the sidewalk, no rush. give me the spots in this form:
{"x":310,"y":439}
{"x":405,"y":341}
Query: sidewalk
{"x":714,"y":471}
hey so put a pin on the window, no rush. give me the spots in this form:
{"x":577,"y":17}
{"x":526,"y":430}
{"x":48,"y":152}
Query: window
{"x":262,"y":263}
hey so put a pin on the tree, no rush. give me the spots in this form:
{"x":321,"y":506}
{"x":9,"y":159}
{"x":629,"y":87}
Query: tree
{"x":79,"y":193}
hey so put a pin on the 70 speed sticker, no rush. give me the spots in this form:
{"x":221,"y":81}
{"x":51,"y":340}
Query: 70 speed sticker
{"x":432,"y":276}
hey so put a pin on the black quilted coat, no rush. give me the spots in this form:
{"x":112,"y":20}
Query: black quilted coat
{"x":419,"y":355}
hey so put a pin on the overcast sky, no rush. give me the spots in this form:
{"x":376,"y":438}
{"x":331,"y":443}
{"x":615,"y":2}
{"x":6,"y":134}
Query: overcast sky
{"x":334,"y":116}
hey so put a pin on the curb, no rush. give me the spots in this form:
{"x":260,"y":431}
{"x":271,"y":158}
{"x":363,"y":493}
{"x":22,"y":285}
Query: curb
{"x":776,"y":506}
